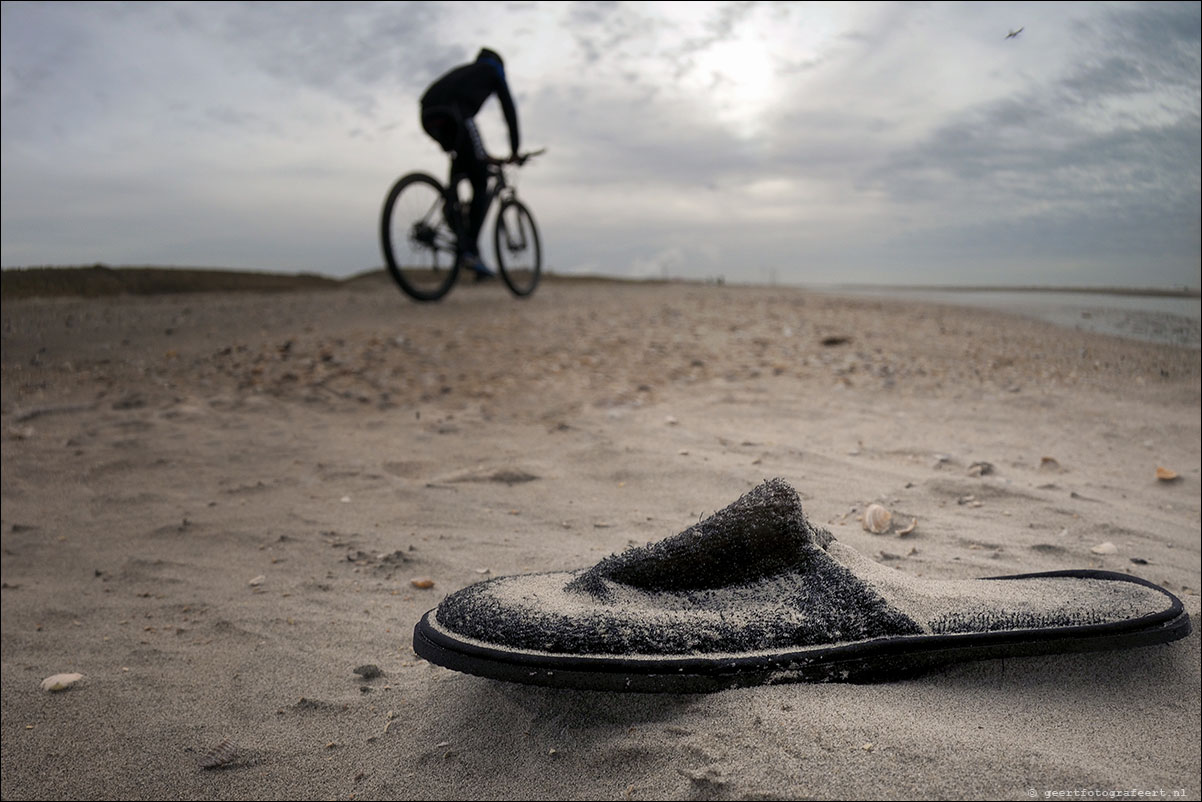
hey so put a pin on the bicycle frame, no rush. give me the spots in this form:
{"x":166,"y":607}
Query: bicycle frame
{"x":497,"y":188}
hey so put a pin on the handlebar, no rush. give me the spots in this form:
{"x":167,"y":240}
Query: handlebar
{"x":519,"y":159}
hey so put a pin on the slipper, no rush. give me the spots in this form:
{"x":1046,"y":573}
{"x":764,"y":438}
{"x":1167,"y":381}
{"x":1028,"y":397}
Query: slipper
{"x":755,"y":594}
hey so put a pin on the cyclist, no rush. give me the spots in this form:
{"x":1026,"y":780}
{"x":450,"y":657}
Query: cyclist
{"x":448,"y":107}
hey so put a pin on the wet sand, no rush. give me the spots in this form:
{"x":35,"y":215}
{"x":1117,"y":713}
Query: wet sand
{"x":214,"y":506}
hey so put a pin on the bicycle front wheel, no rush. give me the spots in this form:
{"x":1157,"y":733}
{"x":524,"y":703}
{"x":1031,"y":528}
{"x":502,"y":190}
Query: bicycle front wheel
{"x":519,"y":252}
{"x":418,"y":239}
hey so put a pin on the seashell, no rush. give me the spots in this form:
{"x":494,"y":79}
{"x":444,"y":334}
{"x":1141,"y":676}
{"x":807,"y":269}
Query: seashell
{"x":913,"y":525}
{"x":1105,"y":548}
{"x":60,"y":682}
{"x":877,"y":519}
{"x":1165,"y":475}
{"x":423,"y":582}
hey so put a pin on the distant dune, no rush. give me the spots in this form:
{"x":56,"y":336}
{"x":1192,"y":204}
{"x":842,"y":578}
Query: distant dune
{"x":100,"y":280}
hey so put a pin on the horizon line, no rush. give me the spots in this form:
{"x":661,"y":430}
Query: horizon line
{"x":1176,"y":291}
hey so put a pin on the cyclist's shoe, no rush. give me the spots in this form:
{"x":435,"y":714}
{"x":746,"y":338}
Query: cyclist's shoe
{"x":473,"y":262}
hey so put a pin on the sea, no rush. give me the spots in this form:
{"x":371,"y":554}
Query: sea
{"x":1167,"y":319}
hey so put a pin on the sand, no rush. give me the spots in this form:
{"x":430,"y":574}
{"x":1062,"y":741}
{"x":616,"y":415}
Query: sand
{"x":214,"y":505}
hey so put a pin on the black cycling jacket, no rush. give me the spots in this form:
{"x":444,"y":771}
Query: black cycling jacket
{"x":466,"y":88}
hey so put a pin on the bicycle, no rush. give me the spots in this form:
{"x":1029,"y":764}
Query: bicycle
{"x":424,"y":223}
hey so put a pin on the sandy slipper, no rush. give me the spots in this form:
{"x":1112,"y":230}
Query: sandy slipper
{"x":755,"y":594}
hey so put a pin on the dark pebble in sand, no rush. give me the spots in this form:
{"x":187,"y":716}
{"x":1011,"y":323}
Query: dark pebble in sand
{"x":512,"y":476}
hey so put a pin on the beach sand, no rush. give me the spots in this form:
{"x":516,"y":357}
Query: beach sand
{"x":214,"y":505}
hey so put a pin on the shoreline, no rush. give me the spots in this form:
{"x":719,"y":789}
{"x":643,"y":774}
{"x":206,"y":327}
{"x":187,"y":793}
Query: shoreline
{"x":1156,"y":292}
{"x":1142,"y":316}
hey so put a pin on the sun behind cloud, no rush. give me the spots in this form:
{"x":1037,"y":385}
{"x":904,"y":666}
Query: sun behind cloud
{"x":739,"y":77}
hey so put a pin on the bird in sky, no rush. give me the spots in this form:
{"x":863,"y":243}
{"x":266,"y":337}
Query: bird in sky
{"x":1014,"y":34}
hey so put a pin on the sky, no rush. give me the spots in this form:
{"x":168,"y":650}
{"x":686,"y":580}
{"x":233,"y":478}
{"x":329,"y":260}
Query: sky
{"x":800,"y":143}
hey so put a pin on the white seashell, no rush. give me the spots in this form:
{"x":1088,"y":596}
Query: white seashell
{"x":1105,"y":548}
{"x":60,"y":682}
{"x":877,"y":519}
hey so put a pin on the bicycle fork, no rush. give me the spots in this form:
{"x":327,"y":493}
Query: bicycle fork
{"x":518,"y":244}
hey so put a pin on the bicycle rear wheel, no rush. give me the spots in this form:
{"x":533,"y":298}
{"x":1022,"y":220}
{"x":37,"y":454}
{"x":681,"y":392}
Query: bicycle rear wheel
{"x":417,"y":239}
{"x":519,"y":252}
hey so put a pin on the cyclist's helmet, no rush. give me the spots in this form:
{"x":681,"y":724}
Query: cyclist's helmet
{"x":492,"y":59}
{"x":485,"y":55}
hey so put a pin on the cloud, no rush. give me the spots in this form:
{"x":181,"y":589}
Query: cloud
{"x":850,"y":140}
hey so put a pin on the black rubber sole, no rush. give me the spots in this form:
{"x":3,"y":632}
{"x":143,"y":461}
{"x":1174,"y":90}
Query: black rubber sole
{"x":878,"y":660}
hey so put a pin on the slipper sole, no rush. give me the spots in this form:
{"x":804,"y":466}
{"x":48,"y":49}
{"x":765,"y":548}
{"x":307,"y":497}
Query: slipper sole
{"x":877,"y":660}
